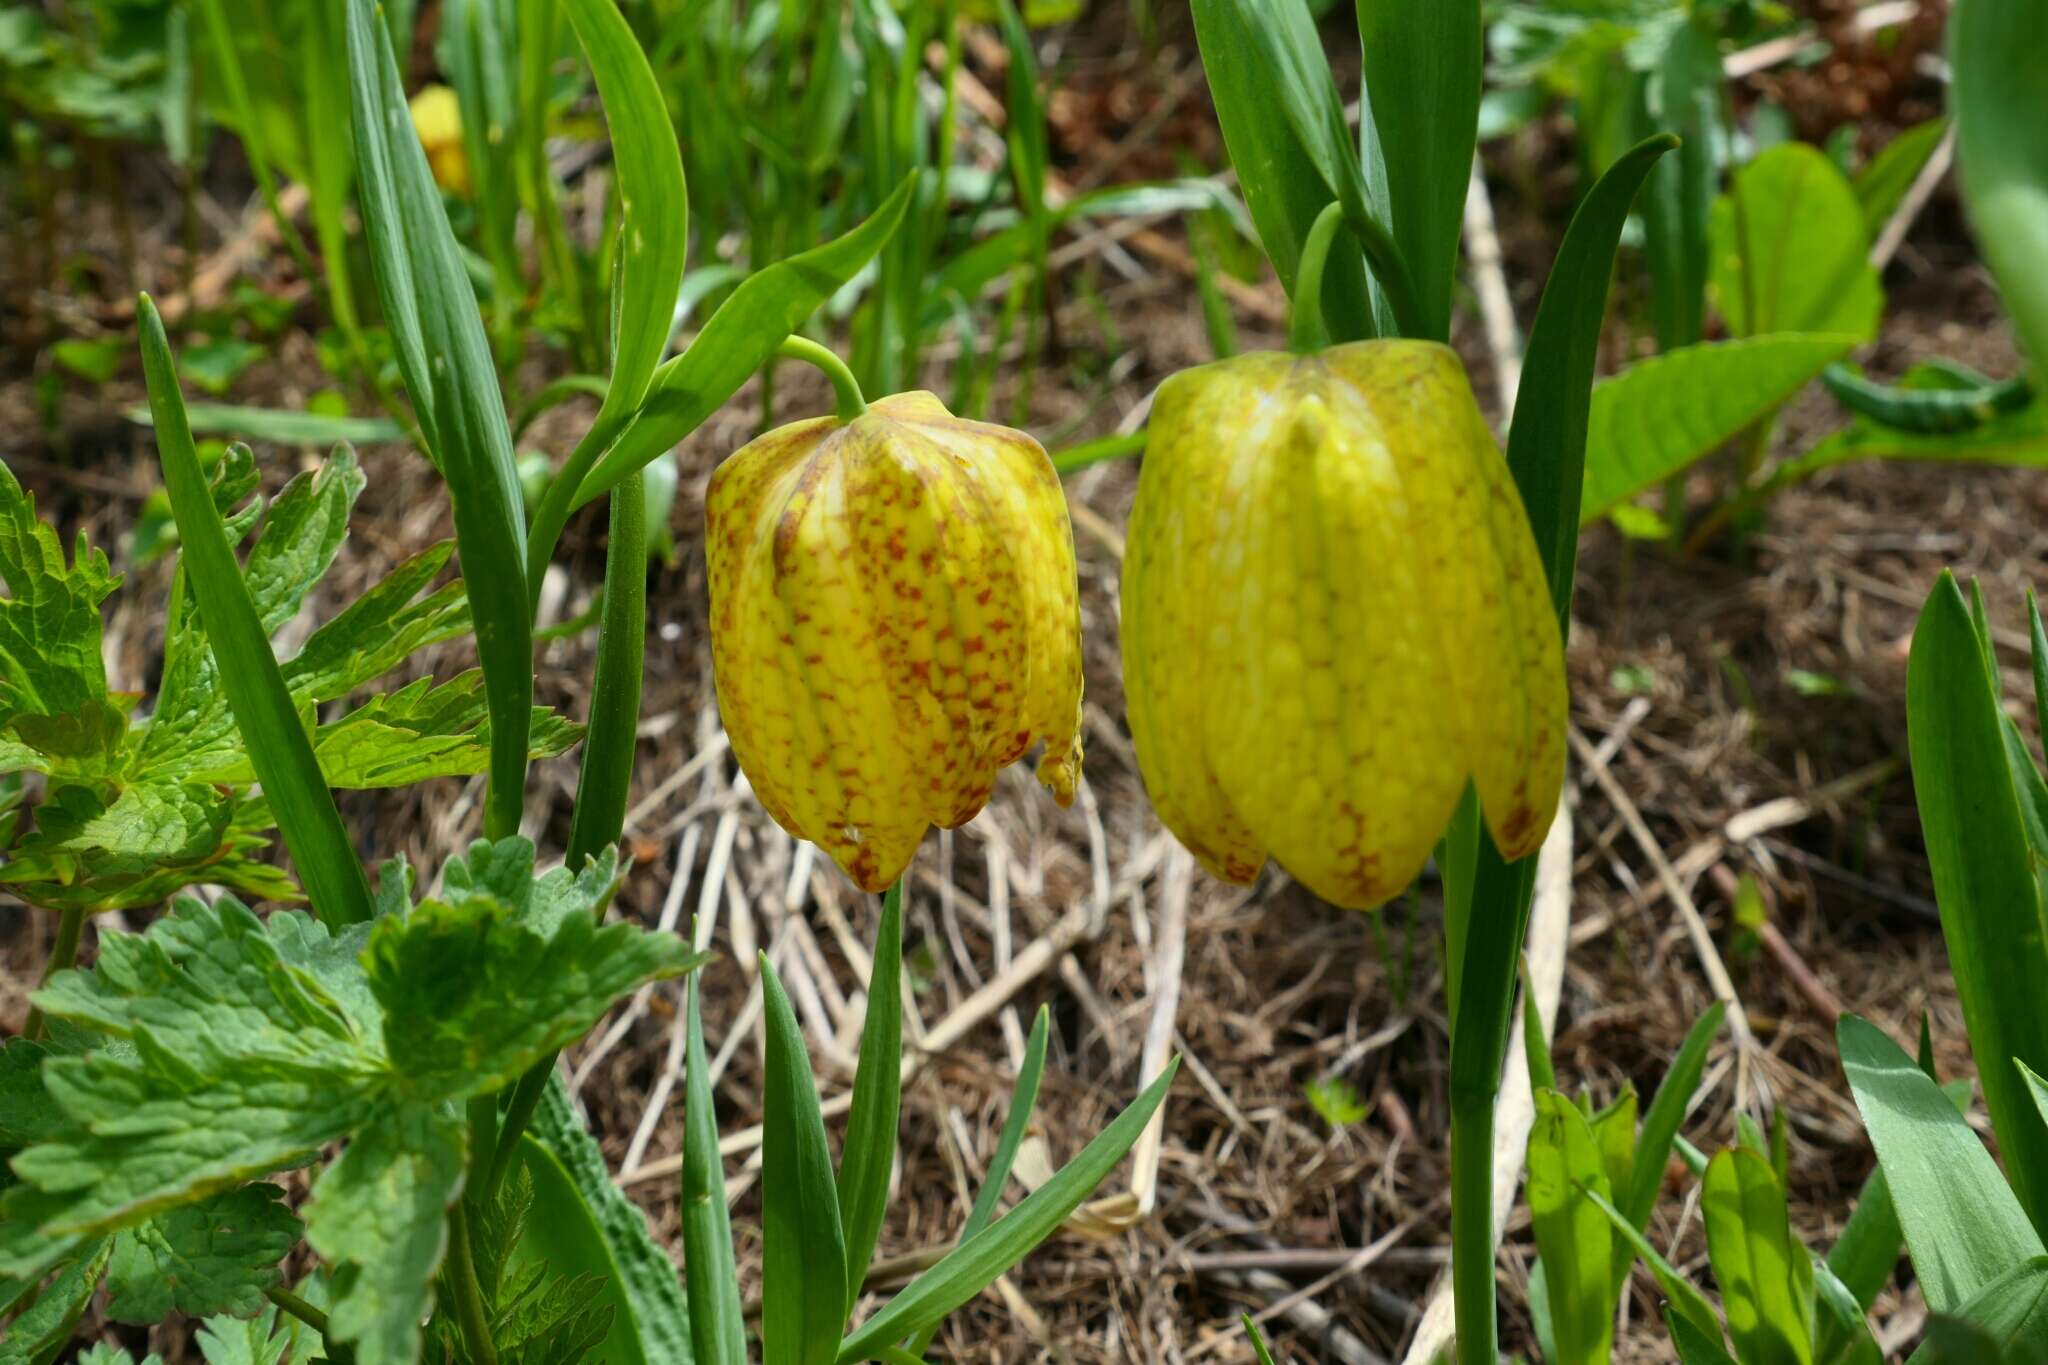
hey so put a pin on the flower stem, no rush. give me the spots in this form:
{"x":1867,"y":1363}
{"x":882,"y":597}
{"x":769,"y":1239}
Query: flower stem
{"x":63,"y":953}
{"x":1305,"y":330}
{"x":851,"y":403}
{"x":337,"y":1352}
{"x":1472,"y":1250}
{"x":469,"y":1294}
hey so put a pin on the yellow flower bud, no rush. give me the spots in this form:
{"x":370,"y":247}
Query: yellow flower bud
{"x":1334,"y":616}
{"x":437,"y":118}
{"x":894,"y":618}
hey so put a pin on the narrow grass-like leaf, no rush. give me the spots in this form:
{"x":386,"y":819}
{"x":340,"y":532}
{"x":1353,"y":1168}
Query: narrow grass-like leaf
{"x":1984,"y":876}
{"x":1422,"y":79}
{"x":1694,"y":1345}
{"x":1023,"y":1098}
{"x":606,"y":777}
{"x":277,"y":742}
{"x":281,"y":425}
{"x":877,"y":1102}
{"x":1666,"y":1112}
{"x":448,"y":370}
{"x":1686,"y":1302}
{"x":1962,"y":1223}
{"x":1841,"y":1332}
{"x":803,"y":1275}
{"x":1572,"y":1235}
{"x":1765,"y":1276}
{"x":2000,"y":104}
{"x":975,"y":1263}
{"x":717,"y":1326}
{"x":1682,"y":95}
{"x":1882,"y":184}
{"x":739,"y":338}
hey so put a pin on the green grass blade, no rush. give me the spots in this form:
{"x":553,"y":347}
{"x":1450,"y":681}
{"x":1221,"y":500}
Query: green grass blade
{"x":2000,"y":105}
{"x":278,"y":744}
{"x":974,"y":1264}
{"x":1572,"y":1235}
{"x":716,"y":1323}
{"x":1682,"y":94}
{"x":1422,"y":79}
{"x":803,"y":1276}
{"x":739,"y":338}
{"x":877,"y":1102}
{"x":1023,"y":1098}
{"x":283,"y":426}
{"x":1666,"y":1112}
{"x":1985,"y":882}
{"x":1756,"y":1261}
{"x":1685,"y":1301}
{"x":1962,"y":1223}
{"x":654,"y":233}
{"x":606,"y":777}
{"x":448,"y":370}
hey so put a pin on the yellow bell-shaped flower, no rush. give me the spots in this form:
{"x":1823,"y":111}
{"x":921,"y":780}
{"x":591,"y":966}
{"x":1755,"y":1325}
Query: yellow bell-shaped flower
{"x":894,"y":618}
{"x":1334,"y":616}
{"x":437,"y":118}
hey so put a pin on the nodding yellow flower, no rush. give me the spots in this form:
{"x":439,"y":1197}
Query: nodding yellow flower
{"x":894,"y":618}
{"x":1334,"y":616}
{"x":437,"y":118}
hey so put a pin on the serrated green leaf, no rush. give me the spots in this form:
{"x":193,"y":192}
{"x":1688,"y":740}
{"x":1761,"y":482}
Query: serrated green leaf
{"x":1788,"y":249}
{"x":565,"y":1239}
{"x":1660,"y":415}
{"x":39,"y":1335}
{"x":269,"y":1338}
{"x":379,"y":1215}
{"x":50,"y":663}
{"x":215,"y":1256}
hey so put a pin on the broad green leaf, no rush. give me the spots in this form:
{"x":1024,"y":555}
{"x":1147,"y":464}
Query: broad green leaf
{"x":448,"y":371}
{"x":1422,"y":80}
{"x":1661,"y":414}
{"x":1684,"y":1301}
{"x":284,"y":426}
{"x":717,"y":1324}
{"x":973,"y":1265}
{"x":379,"y":1216}
{"x":215,"y":365}
{"x":1614,"y":1139}
{"x":563,"y":1236}
{"x":1766,"y":1277}
{"x":1788,"y":246}
{"x":1284,"y":128}
{"x":737,"y":340}
{"x":870,"y":1149}
{"x":249,"y":676}
{"x":1963,"y":1225}
{"x":654,"y":232}
{"x":1882,"y":183}
{"x":40,"y":1334}
{"x":1984,"y":880}
{"x":1572,"y":1235}
{"x":803,"y":1290}
{"x":2011,"y":1318}
{"x":2000,"y":104}
{"x":50,"y":665}
{"x":216,"y":1256}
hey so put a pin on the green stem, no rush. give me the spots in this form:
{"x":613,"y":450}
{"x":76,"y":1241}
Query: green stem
{"x":1472,"y":1250}
{"x":518,"y":1113}
{"x":844,"y":385}
{"x":63,"y":953}
{"x":338,"y":1353}
{"x":468,"y":1293}
{"x":1305,"y":330}
{"x":483,"y":1137}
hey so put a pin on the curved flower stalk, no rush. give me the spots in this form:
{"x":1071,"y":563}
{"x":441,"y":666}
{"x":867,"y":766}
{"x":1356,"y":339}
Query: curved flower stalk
{"x":894,"y":618}
{"x":1334,"y":617}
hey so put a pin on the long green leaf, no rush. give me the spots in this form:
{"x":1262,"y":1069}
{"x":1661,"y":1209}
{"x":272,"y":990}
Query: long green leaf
{"x":1883,"y":183}
{"x":277,"y":742}
{"x":1660,"y":415}
{"x":1685,"y":1300}
{"x":803,"y":1275}
{"x":1984,"y":876}
{"x":562,"y":1234}
{"x":877,"y":1102}
{"x":1682,"y":95}
{"x":281,"y":425}
{"x":1694,"y":1345}
{"x":1963,"y":1225}
{"x":2000,"y":104}
{"x":606,"y":778}
{"x":1422,"y":79}
{"x":1284,"y":128}
{"x":1666,"y":1112}
{"x":716,"y":1322}
{"x":974,"y":1264}
{"x":1572,"y":1235}
{"x":2011,"y":1318}
{"x":740,"y":337}
{"x":448,"y":370}
{"x":1765,"y":1276}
